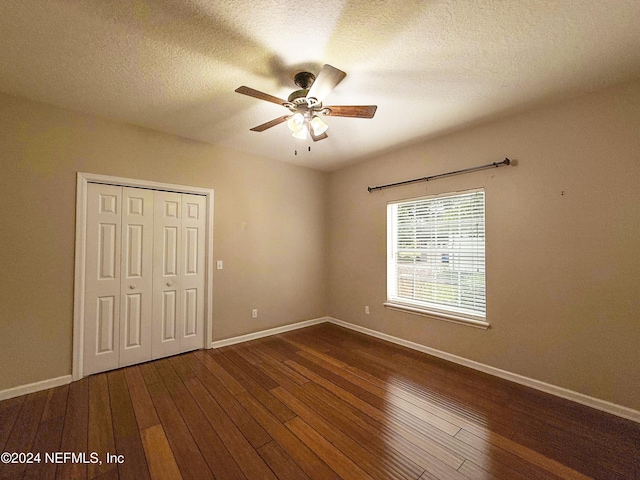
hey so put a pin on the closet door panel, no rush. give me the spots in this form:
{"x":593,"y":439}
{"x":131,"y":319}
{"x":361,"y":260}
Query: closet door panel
{"x":167,"y":265}
{"x":102,"y":279}
{"x":137,"y":275}
{"x":193,"y":252}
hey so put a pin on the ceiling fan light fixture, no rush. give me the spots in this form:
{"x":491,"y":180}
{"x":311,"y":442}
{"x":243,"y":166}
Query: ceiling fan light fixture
{"x":319,"y":127}
{"x":305,"y":104}
{"x":296,"y":123}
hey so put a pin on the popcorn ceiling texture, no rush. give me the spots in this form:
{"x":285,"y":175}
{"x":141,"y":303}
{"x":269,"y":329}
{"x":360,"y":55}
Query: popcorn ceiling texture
{"x":430,"y":66}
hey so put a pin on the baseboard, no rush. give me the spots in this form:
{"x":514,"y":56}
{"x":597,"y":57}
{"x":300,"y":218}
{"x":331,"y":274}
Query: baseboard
{"x":603,"y":405}
{"x":267,"y":333}
{"x":56,"y":382}
{"x":34,"y":387}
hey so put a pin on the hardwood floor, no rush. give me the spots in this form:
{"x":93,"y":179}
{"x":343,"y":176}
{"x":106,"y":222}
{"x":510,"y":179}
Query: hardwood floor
{"x":319,"y":403}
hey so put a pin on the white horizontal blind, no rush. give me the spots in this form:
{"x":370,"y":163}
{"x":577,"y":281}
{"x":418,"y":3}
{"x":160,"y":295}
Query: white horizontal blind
{"x":437,"y":253}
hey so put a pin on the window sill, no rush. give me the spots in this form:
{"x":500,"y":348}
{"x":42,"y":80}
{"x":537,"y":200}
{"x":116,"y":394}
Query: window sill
{"x":438,"y":315}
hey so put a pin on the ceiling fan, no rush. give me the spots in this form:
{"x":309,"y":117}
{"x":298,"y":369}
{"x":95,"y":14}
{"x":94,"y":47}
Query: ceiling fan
{"x":306,"y":105}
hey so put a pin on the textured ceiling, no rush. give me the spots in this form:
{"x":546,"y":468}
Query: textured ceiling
{"x":430,"y":66}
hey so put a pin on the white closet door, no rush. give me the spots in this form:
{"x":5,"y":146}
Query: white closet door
{"x":137,"y":275}
{"x":193,"y":265}
{"x":167,"y":266}
{"x":102,"y":274}
{"x":144,"y":275}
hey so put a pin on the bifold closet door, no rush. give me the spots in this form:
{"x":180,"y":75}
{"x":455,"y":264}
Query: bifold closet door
{"x":136,"y":286}
{"x":102,"y":279}
{"x":144,"y":275}
{"x":193,"y":253}
{"x":178,"y":275}
{"x":118,"y":278}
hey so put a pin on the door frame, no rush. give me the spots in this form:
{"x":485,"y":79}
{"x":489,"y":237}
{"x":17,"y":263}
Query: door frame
{"x":80,"y":254}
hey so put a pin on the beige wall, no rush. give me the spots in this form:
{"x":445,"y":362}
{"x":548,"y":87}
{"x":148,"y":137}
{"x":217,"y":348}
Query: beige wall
{"x":563,"y":271}
{"x":269,"y":228}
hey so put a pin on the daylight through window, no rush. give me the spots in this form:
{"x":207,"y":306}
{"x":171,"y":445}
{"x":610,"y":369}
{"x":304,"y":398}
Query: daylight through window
{"x":436,"y":255}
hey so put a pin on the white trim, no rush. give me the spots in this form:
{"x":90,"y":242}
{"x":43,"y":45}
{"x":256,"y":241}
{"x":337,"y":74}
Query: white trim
{"x":436,"y":195}
{"x":79,"y":278}
{"x":34,"y":387}
{"x":80,"y":248}
{"x":470,"y":322}
{"x":131,"y":182}
{"x":603,"y":405}
{"x":268,"y":333}
{"x":55,"y":382}
{"x":208,"y":318}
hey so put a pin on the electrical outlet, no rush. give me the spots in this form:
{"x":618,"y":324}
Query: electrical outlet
{"x":254,"y":313}
{"x":366,"y":309}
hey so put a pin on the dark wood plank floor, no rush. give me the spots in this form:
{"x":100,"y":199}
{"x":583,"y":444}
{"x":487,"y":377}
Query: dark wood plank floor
{"x":319,"y":403}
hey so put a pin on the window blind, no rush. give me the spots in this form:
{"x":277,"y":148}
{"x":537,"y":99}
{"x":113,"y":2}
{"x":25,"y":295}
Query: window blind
{"x":436,"y":250}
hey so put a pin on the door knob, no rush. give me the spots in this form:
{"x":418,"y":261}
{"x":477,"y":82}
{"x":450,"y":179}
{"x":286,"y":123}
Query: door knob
{"x":169,"y":284}
{"x":132,"y":287}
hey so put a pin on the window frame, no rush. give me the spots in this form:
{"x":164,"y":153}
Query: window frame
{"x":446,"y":313}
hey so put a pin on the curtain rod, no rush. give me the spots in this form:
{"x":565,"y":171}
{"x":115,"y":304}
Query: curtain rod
{"x":506,"y":161}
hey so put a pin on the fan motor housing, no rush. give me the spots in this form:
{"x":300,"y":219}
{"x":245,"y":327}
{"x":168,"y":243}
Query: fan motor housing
{"x":299,"y":97}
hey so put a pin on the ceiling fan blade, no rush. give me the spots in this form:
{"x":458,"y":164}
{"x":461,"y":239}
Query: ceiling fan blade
{"x":316,"y":138}
{"x":326,"y":81}
{"x":354,"y":111}
{"x":260,"y":95}
{"x":272,"y":123}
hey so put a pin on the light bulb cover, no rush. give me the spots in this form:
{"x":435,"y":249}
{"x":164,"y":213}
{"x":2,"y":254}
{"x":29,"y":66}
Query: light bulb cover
{"x":296,"y":122}
{"x":319,"y":127}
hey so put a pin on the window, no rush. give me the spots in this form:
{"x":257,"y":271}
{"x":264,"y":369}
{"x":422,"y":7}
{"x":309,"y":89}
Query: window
{"x":436,"y":262}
